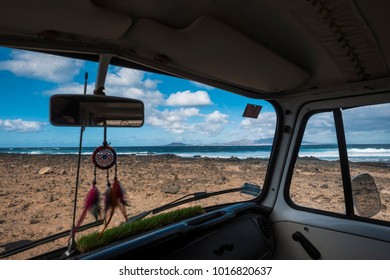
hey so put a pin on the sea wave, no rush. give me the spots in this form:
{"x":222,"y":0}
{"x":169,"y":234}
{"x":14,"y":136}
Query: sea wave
{"x":326,"y":152}
{"x":35,"y":153}
{"x":369,"y":151}
{"x":354,"y":154}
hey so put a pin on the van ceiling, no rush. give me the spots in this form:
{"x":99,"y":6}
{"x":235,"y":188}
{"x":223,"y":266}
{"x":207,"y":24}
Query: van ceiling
{"x":269,"y":47}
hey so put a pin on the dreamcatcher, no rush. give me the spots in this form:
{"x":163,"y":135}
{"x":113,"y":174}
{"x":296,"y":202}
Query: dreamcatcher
{"x":104,"y":157}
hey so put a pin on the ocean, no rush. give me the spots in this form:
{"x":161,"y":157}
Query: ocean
{"x":356,"y":153}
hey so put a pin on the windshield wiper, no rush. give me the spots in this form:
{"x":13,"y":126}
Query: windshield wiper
{"x":247,"y":188}
{"x":31,"y":244}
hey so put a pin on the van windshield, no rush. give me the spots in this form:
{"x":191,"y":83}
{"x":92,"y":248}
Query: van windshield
{"x":194,"y":139}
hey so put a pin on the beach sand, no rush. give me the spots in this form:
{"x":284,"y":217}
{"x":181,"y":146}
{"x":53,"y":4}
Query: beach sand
{"x":33,"y":205}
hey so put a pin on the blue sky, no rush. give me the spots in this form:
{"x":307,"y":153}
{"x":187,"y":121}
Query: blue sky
{"x":176,"y":110}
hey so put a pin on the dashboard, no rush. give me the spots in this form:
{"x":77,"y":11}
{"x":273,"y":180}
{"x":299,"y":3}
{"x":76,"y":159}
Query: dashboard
{"x":239,"y":231}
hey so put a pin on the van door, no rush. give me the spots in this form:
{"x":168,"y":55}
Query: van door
{"x":321,"y":211}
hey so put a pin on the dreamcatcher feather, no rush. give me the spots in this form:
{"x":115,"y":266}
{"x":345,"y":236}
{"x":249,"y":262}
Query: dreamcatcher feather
{"x":104,"y":157}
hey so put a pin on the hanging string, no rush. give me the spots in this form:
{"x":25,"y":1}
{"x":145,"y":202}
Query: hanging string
{"x":108,"y":179}
{"x":116,"y":172}
{"x":94,"y":176}
{"x":71,"y":244}
{"x":105,"y":137}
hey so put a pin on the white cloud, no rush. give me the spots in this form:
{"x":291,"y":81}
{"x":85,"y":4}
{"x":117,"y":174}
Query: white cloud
{"x":42,"y":66}
{"x":261,"y":128}
{"x":71,"y":88}
{"x":124,"y":77}
{"x":132,"y":83}
{"x":151,"y":84}
{"x":320,"y":129}
{"x":200,"y":85}
{"x":121,"y":82}
{"x":369,"y":118}
{"x":213,"y":123}
{"x":180,"y":121}
{"x":321,"y":121}
{"x":209,"y":129}
{"x":19,"y":125}
{"x":174,"y":120}
{"x":368,"y":124}
{"x":188,"y":98}
{"x":217,"y":117}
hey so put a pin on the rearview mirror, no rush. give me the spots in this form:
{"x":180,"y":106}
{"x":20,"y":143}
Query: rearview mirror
{"x":365,"y":195}
{"x":95,"y":110}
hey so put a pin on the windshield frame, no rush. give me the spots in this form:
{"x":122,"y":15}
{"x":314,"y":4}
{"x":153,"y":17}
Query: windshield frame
{"x":257,"y":199}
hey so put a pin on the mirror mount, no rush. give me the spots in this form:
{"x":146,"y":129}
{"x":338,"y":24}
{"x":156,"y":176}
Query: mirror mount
{"x":104,"y":63}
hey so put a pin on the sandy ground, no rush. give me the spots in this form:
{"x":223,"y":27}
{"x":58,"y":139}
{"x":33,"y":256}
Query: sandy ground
{"x":33,"y":205}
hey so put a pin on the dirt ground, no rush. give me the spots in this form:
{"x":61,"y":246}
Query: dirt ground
{"x":34,"y":205}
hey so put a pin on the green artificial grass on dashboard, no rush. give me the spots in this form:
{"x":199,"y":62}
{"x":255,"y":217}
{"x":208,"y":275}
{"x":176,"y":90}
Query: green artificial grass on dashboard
{"x":89,"y":242}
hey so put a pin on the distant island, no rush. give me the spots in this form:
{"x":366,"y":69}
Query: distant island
{"x":241,"y":142}
{"x":177,"y":144}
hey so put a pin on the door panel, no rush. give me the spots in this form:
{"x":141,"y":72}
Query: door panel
{"x":331,"y":244}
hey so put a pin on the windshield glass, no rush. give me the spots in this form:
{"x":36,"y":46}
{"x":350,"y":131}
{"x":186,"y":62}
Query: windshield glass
{"x":194,"y":139}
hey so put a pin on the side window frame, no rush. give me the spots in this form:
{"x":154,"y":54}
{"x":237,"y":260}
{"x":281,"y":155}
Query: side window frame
{"x":292,"y":166}
{"x":344,"y":163}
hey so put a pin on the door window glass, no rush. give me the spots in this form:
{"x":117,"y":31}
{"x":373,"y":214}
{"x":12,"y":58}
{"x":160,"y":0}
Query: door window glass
{"x":367,"y":133}
{"x":316,"y":181}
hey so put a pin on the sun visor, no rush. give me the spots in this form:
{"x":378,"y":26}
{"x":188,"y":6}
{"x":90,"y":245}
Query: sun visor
{"x":211,"y":48}
{"x":68,"y":16}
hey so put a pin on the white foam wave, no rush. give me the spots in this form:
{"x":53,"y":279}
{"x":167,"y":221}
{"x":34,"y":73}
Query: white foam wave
{"x":369,"y":152}
{"x":354,"y":154}
{"x":243,"y":155}
{"x":35,"y":153}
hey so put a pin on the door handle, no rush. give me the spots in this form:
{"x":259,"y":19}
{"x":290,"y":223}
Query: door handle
{"x":307,"y":245}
